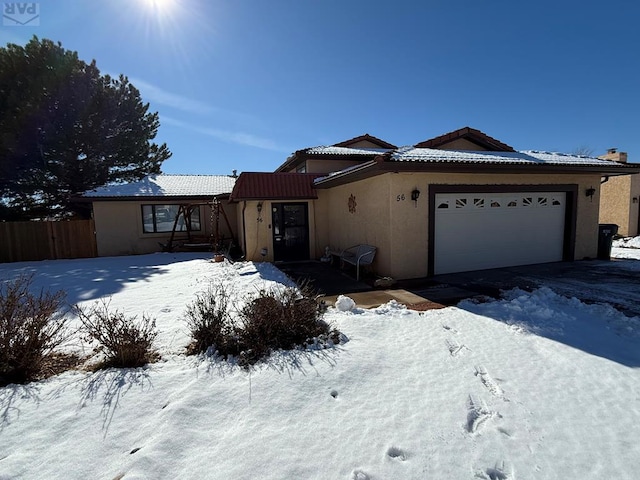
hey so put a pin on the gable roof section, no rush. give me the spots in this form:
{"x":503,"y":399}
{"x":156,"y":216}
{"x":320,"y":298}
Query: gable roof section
{"x":411,"y":159}
{"x":366,"y":138}
{"x":338,"y":151}
{"x":472,"y":135}
{"x":274,"y":186}
{"x":163,"y":186}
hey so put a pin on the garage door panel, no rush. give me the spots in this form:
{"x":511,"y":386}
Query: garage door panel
{"x":491,"y":230}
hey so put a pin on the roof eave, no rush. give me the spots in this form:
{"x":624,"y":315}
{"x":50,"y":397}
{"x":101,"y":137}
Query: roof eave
{"x":471,"y":167}
{"x":141,"y":198}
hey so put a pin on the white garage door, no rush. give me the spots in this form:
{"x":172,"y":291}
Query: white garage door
{"x":475,"y":231}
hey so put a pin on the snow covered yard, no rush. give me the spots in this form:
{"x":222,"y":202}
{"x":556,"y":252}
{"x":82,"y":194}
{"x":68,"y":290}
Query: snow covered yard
{"x":531,"y":386}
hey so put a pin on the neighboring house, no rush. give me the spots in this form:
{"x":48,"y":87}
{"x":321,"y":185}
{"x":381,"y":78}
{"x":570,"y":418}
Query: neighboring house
{"x":458,"y":202}
{"x":140,"y":217}
{"x":620,"y":197}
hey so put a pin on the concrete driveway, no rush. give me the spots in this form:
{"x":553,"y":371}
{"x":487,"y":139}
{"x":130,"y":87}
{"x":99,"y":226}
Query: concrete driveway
{"x":616,"y":282}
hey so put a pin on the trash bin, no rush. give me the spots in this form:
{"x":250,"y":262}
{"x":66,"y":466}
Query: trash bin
{"x":606,"y":232}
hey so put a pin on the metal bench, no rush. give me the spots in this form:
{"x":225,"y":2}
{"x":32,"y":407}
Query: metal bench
{"x":358,"y":255}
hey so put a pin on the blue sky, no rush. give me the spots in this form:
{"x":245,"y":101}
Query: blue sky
{"x":241,"y":84}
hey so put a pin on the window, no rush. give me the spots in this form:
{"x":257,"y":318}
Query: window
{"x":161,"y":218}
{"x":461,"y":202}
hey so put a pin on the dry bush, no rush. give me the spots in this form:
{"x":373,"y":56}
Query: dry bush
{"x":209,"y":321}
{"x":125,"y":341}
{"x":281,"y":319}
{"x":31,"y":326}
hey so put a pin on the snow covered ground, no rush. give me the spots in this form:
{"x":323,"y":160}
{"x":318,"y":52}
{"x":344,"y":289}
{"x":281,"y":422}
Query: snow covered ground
{"x":626,"y":248}
{"x":532,"y":386}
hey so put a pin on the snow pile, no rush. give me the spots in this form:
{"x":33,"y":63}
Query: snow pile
{"x":345,"y":304}
{"x":532,"y":386}
{"x":628,"y":242}
{"x":626,"y":248}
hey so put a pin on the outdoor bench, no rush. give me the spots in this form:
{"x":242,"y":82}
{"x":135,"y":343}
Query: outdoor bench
{"x":358,"y":255}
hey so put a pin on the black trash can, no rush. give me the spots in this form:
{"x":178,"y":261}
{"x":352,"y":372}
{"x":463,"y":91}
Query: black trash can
{"x":606,"y":232}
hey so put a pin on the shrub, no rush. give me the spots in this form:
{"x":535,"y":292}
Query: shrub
{"x":31,"y":326}
{"x":280,"y":319}
{"x":125,"y":341}
{"x":209,"y":321}
{"x":274,"y":319}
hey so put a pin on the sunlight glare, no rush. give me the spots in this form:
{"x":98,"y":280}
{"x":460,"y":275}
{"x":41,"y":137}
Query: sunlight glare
{"x":161,"y":7}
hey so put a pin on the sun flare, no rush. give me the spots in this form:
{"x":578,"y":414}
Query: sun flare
{"x":160,"y":6}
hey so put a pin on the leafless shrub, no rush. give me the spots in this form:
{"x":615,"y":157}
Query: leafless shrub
{"x":209,"y":321}
{"x":31,"y":326}
{"x":125,"y":341}
{"x":273,"y":319}
{"x":281,"y":319}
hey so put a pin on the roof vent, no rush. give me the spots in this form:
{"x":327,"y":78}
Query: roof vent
{"x":612,"y":150}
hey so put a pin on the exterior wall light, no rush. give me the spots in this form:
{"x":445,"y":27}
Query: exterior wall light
{"x":590,"y":192}
{"x":414,"y":196}
{"x":635,"y":199}
{"x":259,"y":207}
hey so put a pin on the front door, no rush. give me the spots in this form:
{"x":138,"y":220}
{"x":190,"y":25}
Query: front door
{"x":290,"y":223}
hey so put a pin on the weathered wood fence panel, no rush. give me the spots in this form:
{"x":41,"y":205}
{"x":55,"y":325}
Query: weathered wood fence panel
{"x":25,"y":241}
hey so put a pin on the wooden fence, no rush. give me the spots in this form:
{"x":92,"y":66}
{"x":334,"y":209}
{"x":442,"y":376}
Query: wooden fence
{"x":24,"y":241}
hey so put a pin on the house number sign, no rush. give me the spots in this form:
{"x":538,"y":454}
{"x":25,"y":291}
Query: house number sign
{"x":400,"y":198}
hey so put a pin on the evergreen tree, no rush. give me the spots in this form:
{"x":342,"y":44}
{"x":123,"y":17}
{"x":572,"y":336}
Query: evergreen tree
{"x":65,"y":129}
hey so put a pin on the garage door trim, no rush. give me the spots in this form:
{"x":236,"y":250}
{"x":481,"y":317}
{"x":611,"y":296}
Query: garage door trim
{"x":571,"y":191}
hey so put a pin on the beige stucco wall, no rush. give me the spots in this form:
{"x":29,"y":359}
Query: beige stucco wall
{"x":386,"y":217}
{"x":369,"y":223}
{"x":328,"y":166}
{"x":617,"y":205}
{"x":258,"y":229}
{"x":119,"y":227}
{"x":461,"y":144}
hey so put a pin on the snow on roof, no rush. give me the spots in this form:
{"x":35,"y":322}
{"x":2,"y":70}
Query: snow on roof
{"x":168,"y":186}
{"x":331,"y":150}
{"x":412,"y":154}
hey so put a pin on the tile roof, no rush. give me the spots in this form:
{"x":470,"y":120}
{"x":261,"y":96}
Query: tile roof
{"x":275,"y":186}
{"x":533,"y":157}
{"x":366,"y":138}
{"x":168,"y":186}
{"x":333,"y":150}
{"x":471,"y":134}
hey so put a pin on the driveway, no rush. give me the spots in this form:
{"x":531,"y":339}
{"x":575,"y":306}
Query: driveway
{"x":616,"y":282}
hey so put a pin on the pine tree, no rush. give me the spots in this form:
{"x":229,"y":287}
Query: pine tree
{"x":65,"y":129}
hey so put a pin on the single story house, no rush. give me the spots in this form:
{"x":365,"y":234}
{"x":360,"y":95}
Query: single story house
{"x":145,"y":216}
{"x":462,"y":201}
{"x":620,"y":198}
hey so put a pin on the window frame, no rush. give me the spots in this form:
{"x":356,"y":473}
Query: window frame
{"x":170,"y":207}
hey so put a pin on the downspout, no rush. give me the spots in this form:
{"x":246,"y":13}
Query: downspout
{"x":604,"y":179}
{"x":244,"y":230}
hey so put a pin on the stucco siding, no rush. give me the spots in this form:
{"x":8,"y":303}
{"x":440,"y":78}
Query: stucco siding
{"x":385,"y":215}
{"x":119,"y":228}
{"x":328,"y":166}
{"x":360,"y":212}
{"x":617,"y":205}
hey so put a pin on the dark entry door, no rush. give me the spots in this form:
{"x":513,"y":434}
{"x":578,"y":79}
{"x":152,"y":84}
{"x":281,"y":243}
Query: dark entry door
{"x":290,"y":223}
